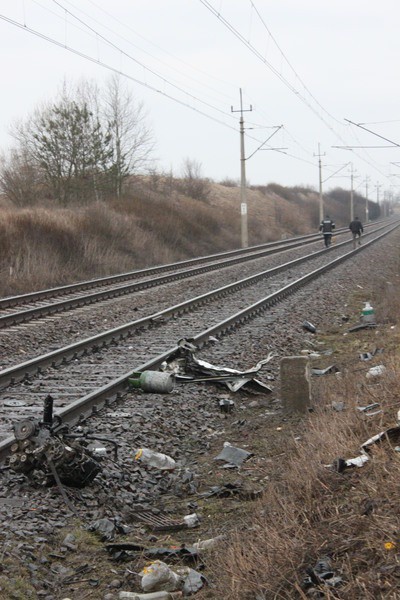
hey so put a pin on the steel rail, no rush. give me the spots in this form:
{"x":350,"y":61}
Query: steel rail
{"x":50,"y":309}
{"x":55,"y":358}
{"x":82,"y":408}
{"x":259,"y":250}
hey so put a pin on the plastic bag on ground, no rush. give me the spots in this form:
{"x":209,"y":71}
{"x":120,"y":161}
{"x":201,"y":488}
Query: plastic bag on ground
{"x":158,"y":576}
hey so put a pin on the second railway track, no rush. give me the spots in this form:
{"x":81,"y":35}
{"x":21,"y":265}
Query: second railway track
{"x":75,"y":385}
{"x":24,"y":308}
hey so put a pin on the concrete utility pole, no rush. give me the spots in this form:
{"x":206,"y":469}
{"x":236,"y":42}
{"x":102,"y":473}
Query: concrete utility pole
{"x":321,"y":202}
{"x":366,"y":200}
{"x":385,"y":203}
{"x":243,"y":203}
{"x":351,"y":193}
{"x":377,"y":187}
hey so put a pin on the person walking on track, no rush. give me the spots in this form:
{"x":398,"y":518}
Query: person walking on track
{"x":356,"y":229}
{"x":327,"y":226}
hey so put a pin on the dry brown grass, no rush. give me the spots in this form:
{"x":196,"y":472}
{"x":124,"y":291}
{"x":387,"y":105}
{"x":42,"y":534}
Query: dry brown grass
{"x":154,"y":223}
{"x":309,"y":510}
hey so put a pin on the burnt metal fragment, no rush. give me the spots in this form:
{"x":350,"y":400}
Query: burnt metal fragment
{"x":46,"y":451}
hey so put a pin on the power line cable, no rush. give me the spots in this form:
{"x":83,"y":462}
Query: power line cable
{"x":159,"y":47}
{"x":276,"y":72}
{"x":113,"y":69}
{"x":289,"y":64}
{"x":107,"y":41}
{"x":128,"y":41}
{"x":135,"y":60}
{"x":267,"y":63}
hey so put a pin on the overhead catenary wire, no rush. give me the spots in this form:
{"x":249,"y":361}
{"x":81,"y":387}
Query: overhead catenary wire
{"x":114,"y":69}
{"x":130,"y":57}
{"x":243,"y":40}
{"x":141,"y":49}
{"x":163,"y":79}
{"x":288,"y":62}
{"x":113,"y":17}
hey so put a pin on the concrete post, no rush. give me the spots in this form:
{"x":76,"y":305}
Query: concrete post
{"x":295,"y":384}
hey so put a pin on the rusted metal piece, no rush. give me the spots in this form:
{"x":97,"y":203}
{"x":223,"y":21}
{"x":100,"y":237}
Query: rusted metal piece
{"x":158,"y":521}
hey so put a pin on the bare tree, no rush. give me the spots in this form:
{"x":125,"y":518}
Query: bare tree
{"x":83,"y":145}
{"x":194,"y":184}
{"x":131,"y":139}
{"x":20,"y":179}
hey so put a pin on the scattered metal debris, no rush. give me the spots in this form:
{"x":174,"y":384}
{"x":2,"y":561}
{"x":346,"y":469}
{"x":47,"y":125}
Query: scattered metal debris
{"x":193,"y":580}
{"x":226,"y":405}
{"x":309,"y":326}
{"x":369,"y":407}
{"x":367,"y":319}
{"x":392,"y":435}
{"x":107,"y":528}
{"x":320,"y":576}
{"x":127,"y":550}
{"x":190,"y":369}
{"x":232,"y":456}
{"x":14,"y":403}
{"x":338,"y":406}
{"x":365,"y":356}
{"x":228,"y":490}
{"x":157,"y":520}
{"x":362,"y":326}
{"x":331,"y":369}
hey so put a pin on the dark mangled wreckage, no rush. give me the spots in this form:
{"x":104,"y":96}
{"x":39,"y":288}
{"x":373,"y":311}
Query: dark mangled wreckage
{"x":47,"y":452}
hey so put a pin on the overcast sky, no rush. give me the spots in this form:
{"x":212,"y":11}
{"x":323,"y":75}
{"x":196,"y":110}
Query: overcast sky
{"x":304,"y":65}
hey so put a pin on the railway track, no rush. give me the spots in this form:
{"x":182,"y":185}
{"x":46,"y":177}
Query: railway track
{"x":24,"y":308}
{"x":84,"y":376}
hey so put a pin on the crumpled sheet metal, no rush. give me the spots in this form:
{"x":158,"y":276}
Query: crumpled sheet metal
{"x":232,"y":455}
{"x":392,"y":435}
{"x":330,"y":369}
{"x":189,"y":365}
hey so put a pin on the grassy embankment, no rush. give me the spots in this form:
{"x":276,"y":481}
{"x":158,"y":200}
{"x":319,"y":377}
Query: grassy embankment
{"x":45,"y":246}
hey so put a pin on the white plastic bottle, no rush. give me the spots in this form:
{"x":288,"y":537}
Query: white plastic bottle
{"x":155,"y":459}
{"x":368,"y":313}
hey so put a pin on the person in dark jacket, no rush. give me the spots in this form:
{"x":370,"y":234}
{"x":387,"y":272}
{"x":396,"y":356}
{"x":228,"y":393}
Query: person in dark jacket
{"x":356,"y":229}
{"x":327,"y":226}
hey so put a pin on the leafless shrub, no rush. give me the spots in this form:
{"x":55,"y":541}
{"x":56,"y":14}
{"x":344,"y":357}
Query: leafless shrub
{"x":231,"y":183}
{"x":193,"y":183}
{"x":20,"y":179}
